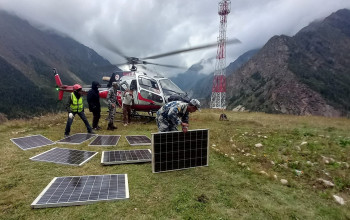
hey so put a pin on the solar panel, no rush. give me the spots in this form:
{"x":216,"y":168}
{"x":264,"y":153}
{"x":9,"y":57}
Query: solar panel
{"x":138,"y":140}
{"x":126,"y":156}
{"x":65,"y":156}
{"x":105,"y":140}
{"x":76,"y":138}
{"x":30,"y":142}
{"x":81,"y":190}
{"x":179,"y":150}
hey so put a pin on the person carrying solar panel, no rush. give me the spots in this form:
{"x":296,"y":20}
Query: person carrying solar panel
{"x":175,"y":113}
{"x":75,"y":106}
{"x":112,"y":105}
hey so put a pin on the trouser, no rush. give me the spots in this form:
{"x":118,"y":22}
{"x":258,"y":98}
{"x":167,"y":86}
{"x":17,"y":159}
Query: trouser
{"x":96,"y":118}
{"x":164,"y":125}
{"x":111,"y":114}
{"x":70,"y":121}
{"x":126,"y":113}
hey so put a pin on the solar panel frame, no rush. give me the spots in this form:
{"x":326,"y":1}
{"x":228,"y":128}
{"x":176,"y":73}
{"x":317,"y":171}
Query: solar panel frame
{"x":138,"y":144}
{"x":36,"y":204}
{"x":63,"y":142}
{"x":53,"y":149}
{"x":105,"y":145}
{"x":29,"y":148}
{"x":125,"y":161}
{"x":154,"y":151}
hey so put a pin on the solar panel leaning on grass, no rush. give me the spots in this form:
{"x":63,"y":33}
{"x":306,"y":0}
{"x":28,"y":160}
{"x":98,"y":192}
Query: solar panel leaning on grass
{"x":65,"y":156}
{"x":76,"y":138}
{"x":82,"y":190}
{"x":105,"y":140}
{"x":126,"y":156}
{"x":135,"y":140}
{"x":30,"y":142}
{"x":178,"y":150}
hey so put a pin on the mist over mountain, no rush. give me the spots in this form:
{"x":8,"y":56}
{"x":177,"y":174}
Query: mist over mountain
{"x":27,"y":56}
{"x":307,"y":74}
{"x":199,"y":85}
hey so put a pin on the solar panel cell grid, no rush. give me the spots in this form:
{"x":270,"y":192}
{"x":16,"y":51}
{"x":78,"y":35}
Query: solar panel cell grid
{"x":178,"y":150}
{"x":138,"y":140}
{"x":30,"y":142}
{"x":79,"y":190}
{"x":105,"y":140}
{"x":65,"y":156}
{"x":126,"y":156}
{"x":76,"y":138}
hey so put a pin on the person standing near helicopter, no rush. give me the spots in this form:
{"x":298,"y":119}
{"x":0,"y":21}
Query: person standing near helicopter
{"x":175,"y":113}
{"x":112,"y":105}
{"x":75,"y":106}
{"x":128,"y":100}
{"x":93,"y":98}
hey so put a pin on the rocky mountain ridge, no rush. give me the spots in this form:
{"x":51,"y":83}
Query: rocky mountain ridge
{"x":307,"y":74}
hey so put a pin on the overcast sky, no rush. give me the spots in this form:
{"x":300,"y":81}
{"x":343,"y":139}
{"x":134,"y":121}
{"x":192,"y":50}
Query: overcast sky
{"x":143,"y":28}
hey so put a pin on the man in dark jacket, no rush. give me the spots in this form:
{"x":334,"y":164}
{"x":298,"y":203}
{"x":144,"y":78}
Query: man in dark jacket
{"x":93,"y":98}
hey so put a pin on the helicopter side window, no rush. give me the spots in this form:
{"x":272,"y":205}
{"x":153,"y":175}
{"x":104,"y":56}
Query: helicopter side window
{"x":133,"y":85}
{"x":169,"y":88}
{"x":149,"y":84}
{"x":151,"y":96}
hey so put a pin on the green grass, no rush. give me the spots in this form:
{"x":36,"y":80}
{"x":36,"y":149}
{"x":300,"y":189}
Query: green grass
{"x":225,"y":189}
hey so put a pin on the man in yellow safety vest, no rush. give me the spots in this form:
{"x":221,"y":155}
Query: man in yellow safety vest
{"x":75,"y":106}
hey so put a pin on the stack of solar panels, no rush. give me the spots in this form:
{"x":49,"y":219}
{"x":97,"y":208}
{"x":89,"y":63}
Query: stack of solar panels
{"x":179,"y":150}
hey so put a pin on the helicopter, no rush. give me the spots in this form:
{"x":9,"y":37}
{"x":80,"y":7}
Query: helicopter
{"x":150,"y":92}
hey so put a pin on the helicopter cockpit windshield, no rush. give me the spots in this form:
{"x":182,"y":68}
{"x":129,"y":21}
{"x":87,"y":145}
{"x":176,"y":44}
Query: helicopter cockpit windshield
{"x":169,"y":88}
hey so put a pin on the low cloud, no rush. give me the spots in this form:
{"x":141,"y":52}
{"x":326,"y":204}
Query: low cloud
{"x":143,"y":28}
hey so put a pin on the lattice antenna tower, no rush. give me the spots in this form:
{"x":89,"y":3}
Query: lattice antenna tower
{"x":218,"y":95}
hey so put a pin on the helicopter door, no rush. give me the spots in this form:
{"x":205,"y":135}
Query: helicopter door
{"x":148,"y":91}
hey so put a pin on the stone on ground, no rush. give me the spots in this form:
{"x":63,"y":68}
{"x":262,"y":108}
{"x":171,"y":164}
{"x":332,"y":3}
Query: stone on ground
{"x":284,"y":181}
{"x":339,"y":199}
{"x":258,"y":145}
{"x":326,"y":182}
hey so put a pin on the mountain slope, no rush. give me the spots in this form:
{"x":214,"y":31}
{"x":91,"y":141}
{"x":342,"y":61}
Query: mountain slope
{"x":305,"y":74}
{"x":200,"y":85}
{"x":28,"y":56}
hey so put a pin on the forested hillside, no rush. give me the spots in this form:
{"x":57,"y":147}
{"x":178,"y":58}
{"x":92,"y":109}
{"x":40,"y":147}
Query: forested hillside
{"x":27,"y":56}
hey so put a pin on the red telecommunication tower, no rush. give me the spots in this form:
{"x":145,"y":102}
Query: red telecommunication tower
{"x":218,"y":95}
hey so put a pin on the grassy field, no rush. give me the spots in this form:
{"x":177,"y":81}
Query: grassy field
{"x":242,"y":181}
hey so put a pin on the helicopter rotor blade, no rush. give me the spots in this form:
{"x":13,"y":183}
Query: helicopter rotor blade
{"x":121,"y":64}
{"x":108,"y":45}
{"x":165,"y":65}
{"x":232,"y":41}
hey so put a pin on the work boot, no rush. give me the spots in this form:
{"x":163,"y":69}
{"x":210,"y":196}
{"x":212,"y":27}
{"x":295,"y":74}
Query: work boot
{"x":114,"y":127}
{"x":110,"y":126}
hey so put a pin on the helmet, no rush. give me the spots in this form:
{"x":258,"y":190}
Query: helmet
{"x":196,"y":103}
{"x":76,"y":87}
